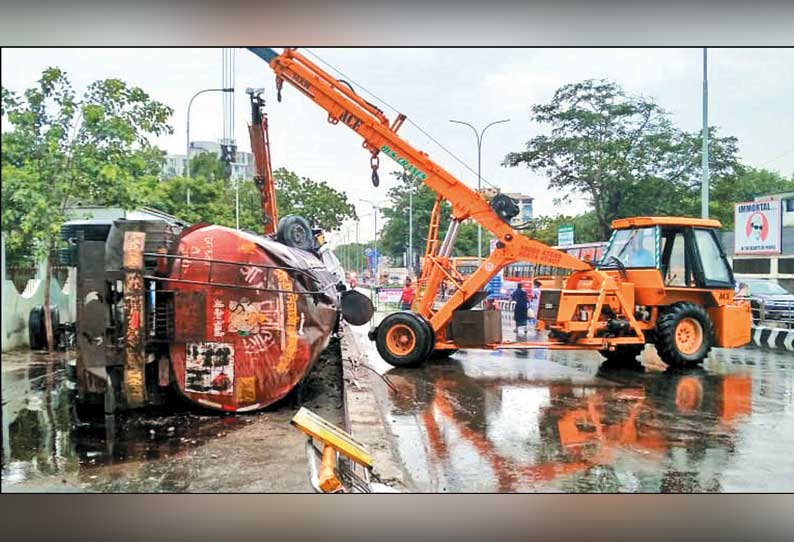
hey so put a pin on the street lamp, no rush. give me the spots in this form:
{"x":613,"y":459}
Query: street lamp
{"x":375,"y":210}
{"x":189,"y":105}
{"x":479,"y":136}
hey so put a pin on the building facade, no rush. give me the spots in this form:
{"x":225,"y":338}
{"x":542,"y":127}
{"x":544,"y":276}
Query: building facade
{"x":242,"y":167}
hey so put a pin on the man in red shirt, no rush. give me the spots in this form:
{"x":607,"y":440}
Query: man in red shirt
{"x":407,"y":297}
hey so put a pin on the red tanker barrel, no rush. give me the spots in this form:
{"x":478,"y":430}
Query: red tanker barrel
{"x":244,"y":347}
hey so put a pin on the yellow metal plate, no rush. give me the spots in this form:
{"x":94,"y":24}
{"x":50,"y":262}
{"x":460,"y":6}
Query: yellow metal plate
{"x":313,"y":425}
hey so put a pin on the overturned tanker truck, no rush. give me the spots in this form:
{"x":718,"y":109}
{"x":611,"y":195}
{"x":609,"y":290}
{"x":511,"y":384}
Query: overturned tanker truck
{"x":231,"y":319}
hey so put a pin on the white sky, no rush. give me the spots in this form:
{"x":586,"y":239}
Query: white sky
{"x":750,"y":97}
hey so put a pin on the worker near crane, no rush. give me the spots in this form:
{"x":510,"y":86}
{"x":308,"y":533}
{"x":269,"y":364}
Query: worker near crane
{"x":520,"y":312}
{"x":407,"y":297}
{"x":535,"y":303}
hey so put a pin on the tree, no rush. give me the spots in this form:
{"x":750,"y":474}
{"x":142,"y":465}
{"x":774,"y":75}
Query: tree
{"x":323,"y":206}
{"x":208,"y":166}
{"x":60,"y":149}
{"x":212,"y":197}
{"x":393,"y":239}
{"x":352,"y":255}
{"x":621,"y":152}
{"x":585,"y":228}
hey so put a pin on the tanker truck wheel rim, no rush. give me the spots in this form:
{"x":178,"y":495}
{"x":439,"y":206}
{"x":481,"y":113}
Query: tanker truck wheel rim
{"x":297,"y":234}
{"x":688,"y":335}
{"x":400,"y":340}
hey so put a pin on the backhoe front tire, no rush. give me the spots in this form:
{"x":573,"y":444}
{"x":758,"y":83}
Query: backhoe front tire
{"x":404,"y":339}
{"x":684,"y":335}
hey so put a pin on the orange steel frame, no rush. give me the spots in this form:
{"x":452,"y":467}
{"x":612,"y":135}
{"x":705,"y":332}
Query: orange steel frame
{"x":379,"y":134}
{"x":260,"y":147}
{"x":380,"y":137}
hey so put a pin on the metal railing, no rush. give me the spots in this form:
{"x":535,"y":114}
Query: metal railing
{"x":772,"y":313}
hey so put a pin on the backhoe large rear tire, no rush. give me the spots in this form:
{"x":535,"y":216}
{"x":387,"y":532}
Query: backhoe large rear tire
{"x":684,"y":335}
{"x":404,"y":339}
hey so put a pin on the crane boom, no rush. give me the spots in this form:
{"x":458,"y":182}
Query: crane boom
{"x":263,"y":169}
{"x":344,"y":106}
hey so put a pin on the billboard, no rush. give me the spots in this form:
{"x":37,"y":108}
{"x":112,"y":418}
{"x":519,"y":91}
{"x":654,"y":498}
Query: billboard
{"x":564,"y":235}
{"x":758,"y":228}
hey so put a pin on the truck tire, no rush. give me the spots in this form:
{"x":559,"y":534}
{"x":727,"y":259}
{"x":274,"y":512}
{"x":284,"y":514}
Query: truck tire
{"x":295,"y":232}
{"x":37,"y":329}
{"x":684,"y":335}
{"x":404,"y":339}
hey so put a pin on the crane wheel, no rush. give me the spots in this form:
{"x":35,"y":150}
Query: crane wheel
{"x":404,"y":339}
{"x":684,"y":335}
{"x":626,"y":353}
{"x":295,"y":232}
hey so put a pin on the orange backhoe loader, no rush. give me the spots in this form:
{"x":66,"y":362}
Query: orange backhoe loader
{"x":662,"y":280}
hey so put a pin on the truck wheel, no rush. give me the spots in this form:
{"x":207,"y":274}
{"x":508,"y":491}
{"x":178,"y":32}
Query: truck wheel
{"x":625,"y":353}
{"x":37,"y":330}
{"x":294,"y":231}
{"x":684,"y":335}
{"x":404,"y":339}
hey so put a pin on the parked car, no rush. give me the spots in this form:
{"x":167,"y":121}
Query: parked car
{"x":776,"y":301}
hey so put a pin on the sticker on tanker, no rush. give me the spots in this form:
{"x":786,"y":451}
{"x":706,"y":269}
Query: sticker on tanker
{"x":757,"y":227}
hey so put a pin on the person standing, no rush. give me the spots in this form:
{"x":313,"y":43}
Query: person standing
{"x":535,"y":303}
{"x":407,"y":297}
{"x":522,"y":306}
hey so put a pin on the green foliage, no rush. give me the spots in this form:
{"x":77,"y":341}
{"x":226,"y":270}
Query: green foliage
{"x":622,"y":153}
{"x":207,"y":165}
{"x":352,"y":255}
{"x":585,"y":227}
{"x":745,"y":186}
{"x":393,"y":238}
{"x":212,"y":197}
{"x":60,"y":149}
{"x":324,"y":207}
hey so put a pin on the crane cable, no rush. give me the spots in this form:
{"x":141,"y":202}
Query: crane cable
{"x":387,"y":104}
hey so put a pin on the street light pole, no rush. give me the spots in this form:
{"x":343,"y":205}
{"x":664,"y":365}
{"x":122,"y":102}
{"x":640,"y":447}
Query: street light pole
{"x":189,"y":105}
{"x":704,"y":188}
{"x":479,"y":135}
{"x":375,"y":210}
{"x":410,"y":232}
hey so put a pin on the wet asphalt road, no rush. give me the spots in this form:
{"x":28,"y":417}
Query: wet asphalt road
{"x":48,"y":447}
{"x":566,"y":421}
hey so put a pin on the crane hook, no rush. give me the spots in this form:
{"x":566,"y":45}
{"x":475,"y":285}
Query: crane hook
{"x":374,"y":163}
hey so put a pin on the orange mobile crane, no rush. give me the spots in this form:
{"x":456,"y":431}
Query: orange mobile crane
{"x":679,"y":296}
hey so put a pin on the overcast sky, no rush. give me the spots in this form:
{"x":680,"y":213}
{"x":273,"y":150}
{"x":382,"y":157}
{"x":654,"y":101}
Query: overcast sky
{"x":750,"y":91}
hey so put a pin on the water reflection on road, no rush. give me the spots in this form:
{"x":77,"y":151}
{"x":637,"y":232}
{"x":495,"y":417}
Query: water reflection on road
{"x":539,"y":420}
{"x":44,"y":438}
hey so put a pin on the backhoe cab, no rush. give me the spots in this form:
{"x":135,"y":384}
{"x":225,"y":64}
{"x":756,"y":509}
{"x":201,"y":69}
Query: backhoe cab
{"x":662,"y":280}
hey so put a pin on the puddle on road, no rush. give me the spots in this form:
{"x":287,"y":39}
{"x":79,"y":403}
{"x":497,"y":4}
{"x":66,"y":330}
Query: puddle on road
{"x":43,"y":436}
{"x":564,"y":421}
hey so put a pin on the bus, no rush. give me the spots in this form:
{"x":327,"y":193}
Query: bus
{"x":526,"y":272}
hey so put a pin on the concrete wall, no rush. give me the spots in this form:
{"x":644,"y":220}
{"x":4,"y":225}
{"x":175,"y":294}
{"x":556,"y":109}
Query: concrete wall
{"x":16,"y":306}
